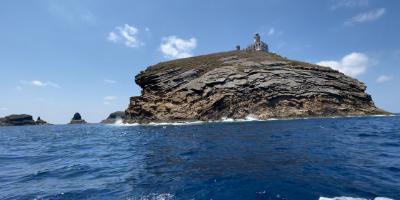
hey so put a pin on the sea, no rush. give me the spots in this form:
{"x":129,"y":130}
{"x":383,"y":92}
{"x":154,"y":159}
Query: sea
{"x":349,"y":158}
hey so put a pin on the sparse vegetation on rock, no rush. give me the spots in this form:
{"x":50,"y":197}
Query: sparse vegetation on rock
{"x":238,"y":84}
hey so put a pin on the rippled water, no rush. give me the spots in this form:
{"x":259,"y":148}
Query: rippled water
{"x":283,"y":159}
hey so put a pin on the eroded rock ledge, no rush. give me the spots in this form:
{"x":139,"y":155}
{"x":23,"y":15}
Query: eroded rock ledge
{"x":239,"y":84}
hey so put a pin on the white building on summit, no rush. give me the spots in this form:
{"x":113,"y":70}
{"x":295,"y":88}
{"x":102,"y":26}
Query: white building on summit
{"x":257,"y":45}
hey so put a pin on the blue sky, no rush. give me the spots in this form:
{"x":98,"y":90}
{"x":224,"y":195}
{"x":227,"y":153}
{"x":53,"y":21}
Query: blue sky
{"x":62,"y":57}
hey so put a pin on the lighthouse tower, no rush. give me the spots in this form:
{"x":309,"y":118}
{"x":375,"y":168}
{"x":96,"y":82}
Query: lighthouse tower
{"x":257,"y":45}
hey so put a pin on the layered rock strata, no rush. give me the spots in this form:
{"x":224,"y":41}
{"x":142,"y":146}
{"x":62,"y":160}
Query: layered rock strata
{"x":240,"y":84}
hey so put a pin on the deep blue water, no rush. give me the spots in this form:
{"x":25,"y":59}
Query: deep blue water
{"x":283,"y":159}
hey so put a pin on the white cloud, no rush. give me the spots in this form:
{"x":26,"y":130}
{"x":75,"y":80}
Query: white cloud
{"x":348,"y":3}
{"x":353,"y":64}
{"x":126,"y":34}
{"x":113,"y":37}
{"x":271,"y":31}
{"x":38,"y":83}
{"x":110,"y":81}
{"x":384,"y":78}
{"x":366,"y":16}
{"x":44,"y":84}
{"x":174,"y":47}
{"x":109,"y":100}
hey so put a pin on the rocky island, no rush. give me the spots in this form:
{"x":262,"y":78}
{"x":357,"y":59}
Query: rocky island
{"x":77,"y":119}
{"x":21,"y":120}
{"x":245,"y":83}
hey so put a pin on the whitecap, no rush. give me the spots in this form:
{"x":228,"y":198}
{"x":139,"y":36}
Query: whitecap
{"x":153,"y":196}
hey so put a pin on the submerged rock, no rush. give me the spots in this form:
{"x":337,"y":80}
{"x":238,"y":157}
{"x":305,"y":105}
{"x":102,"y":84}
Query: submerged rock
{"x":77,"y":119}
{"x":17,"y":120}
{"x":114,"y":117}
{"x":239,"y":84}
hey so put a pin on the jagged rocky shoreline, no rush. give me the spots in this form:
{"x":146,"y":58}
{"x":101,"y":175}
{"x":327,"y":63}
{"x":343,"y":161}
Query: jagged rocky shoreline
{"x":114,"y":117}
{"x":239,"y":84}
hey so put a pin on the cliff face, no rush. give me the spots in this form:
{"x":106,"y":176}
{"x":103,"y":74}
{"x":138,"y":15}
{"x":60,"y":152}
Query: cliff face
{"x":240,"y":84}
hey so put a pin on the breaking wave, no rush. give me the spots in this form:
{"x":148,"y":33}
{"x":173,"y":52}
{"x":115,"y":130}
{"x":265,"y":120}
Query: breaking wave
{"x":249,"y":118}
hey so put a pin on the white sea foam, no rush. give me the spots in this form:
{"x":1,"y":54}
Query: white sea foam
{"x":153,"y":196}
{"x":249,"y":118}
{"x":119,"y":121}
{"x":353,"y":198}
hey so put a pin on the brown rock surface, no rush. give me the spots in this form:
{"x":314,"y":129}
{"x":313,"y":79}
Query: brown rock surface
{"x":239,"y":84}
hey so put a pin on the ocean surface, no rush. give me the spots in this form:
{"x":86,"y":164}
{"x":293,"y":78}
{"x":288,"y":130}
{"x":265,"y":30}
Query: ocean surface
{"x":332,"y":158}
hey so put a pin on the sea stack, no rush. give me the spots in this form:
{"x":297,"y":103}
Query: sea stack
{"x":245,"y":83}
{"x":77,"y":119}
{"x":114,"y":117}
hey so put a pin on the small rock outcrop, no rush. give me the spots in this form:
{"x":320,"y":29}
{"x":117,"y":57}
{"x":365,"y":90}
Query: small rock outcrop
{"x":17,"y":120}
{"x":77,"y":119}
{"x":114,"y":117}
{"x":240,"y":84}
{"x":40,"y":121}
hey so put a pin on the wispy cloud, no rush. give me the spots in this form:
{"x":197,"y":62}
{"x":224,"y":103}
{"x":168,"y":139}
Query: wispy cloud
{"x":38,"y":83}
{"x":384,"y":78}
{"x":40,"y":99}
{"x":109,"y":100}
{"x":71,"y":13}
{"x":368,"y":16}
{"x":271,"y":31}
{"x":174,"y":47}
{"x":348,"y":3}
{"x":110,"y":81}
{"x":353,"y":64}
{"x":125,"y":34}
{"x":18,"y":88}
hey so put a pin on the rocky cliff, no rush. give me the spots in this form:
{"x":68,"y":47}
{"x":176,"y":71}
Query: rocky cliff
{"x":241,"y":84}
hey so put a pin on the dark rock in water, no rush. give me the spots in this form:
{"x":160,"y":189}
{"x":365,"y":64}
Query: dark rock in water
{"x":113,"y":117}
{"x":17,"y":120}
{"x":40,"y":121}
{"x":77,"y":116}
{"x":77,"y":119}
{"x":242,"y":84}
